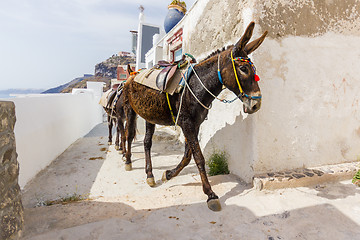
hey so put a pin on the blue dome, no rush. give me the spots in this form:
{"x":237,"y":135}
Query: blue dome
{"x":172,"y":18}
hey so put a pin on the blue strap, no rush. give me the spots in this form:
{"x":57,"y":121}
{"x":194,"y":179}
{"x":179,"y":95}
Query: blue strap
{"x":220,"y":78}
{"x":187,"y":74}
{"x":252,"y":97}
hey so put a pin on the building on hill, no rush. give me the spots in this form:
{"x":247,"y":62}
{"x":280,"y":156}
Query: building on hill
{"x":122,"y":74}
{"x":125,"y":54}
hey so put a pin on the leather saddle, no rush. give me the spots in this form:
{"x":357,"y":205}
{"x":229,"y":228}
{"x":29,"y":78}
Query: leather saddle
{"x":163,"y":79}
{"x":164,"y":76}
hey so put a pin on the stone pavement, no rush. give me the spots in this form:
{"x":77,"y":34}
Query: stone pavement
{"x":120,"y":205}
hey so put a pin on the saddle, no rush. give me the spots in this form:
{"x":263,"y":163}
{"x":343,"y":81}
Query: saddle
{"x":109,"y":98}
{"x":164,"y":76}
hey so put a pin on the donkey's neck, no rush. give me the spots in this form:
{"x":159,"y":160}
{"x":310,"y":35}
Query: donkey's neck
{"x":207,"y":72}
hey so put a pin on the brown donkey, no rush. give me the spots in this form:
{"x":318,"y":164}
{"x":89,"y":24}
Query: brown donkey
{"x":116,"y":114}
{"x":237,"y":73}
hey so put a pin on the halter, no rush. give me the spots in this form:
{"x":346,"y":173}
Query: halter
{"x":243,"y":59}
{"x":186,"y":85}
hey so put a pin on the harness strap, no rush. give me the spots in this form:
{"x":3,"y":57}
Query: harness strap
{"x":219,"y":73}
{"x":171,"y":111}
{"x":236,"y":76}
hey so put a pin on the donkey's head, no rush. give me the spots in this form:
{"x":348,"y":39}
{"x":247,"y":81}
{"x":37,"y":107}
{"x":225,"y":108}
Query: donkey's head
{"x":240,"y":73}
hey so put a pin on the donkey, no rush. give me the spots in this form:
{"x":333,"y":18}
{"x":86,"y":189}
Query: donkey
{"x":236,"y":72}
{"x":116,"y":114}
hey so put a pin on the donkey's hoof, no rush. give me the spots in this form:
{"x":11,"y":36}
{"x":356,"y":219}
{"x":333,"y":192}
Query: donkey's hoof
{"x":214,"y":205}
{"x":163,"y":178}
{"x":128,"y":166}
{"x":151,"y":182}
{"x":109,"y":143}
{"x":117,"y":148}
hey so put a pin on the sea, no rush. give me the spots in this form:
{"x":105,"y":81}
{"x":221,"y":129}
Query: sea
{"x":11,"y":93}
{"x":5,"y":96}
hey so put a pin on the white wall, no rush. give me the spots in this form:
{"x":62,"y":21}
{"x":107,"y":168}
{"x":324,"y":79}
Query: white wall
{"x":310,"y":113}
{"x":309,"y":70}
{"x":47,"y":124}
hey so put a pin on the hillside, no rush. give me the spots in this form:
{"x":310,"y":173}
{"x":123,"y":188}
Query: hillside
{"x":66,"y":85}
{"x":108,"y":67}
{"x":82,"y":83}
{"x":104,"y":72}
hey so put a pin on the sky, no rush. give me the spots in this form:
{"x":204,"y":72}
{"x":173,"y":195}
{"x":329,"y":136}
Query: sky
{"x":46,"y":43}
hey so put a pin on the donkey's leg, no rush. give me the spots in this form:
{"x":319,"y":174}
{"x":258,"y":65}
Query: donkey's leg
{"x":122,"y":135}
{"x":150,"y":128}
{"x":130,"y":134}
{"x":191,"y":136}
{"x":117,"y":140}
{"x":110,"y":125}
{"x":168,"y":174}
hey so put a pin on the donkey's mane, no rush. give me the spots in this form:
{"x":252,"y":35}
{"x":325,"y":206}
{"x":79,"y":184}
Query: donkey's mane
{"x":217,"y":52}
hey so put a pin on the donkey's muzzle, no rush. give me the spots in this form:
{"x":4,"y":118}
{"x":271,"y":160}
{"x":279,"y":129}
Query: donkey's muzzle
{"x":251,"y":105}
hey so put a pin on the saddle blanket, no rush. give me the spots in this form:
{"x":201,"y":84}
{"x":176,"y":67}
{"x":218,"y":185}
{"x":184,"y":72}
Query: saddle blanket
{"x":109,"y":99}
{"x":148,"y":77}
{"x":105,"y":98}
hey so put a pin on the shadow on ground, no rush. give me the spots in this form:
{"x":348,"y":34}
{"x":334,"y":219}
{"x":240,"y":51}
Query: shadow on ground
{"x":99,"y":220}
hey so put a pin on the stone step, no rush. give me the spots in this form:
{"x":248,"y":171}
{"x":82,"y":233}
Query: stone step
{"x":305,"y":176}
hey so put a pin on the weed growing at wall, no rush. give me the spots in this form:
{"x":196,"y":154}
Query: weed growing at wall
{"x":218,"y":163}
{"x":65,"y":200}
{"x":356,"y":179}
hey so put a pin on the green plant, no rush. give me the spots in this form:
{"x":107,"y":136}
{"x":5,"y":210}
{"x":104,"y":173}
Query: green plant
{"x":218,"y":163}
{"x":65,"y":200}
{"x":356,"y":179}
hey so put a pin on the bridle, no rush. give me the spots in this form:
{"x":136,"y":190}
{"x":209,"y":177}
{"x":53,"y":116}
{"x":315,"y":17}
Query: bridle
{"x":186,"y":85}
{"x":243,"y":59}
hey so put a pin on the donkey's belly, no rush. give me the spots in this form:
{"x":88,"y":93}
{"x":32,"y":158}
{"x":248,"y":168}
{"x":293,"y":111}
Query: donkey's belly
{"x":150,"y":104}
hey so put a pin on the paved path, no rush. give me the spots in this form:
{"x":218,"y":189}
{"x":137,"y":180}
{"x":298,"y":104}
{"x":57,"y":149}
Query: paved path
{"x":124,"y":207}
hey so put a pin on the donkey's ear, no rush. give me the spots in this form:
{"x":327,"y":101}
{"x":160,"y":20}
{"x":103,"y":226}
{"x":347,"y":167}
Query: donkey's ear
{"x":129,"y":69}
{"x":240,"y":45}
{"x":249,"y":48}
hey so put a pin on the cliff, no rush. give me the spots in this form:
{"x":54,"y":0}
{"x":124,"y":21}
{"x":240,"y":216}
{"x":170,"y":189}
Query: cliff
{"x":104,"y":72}
{"x":108,"y":67}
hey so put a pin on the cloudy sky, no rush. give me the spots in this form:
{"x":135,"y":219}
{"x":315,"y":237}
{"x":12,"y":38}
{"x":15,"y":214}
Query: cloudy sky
{"x":46,"y":43}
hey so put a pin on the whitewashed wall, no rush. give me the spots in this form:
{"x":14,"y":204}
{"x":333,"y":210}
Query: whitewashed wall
{"x":310,"y":81}
{"x":47,"y":124}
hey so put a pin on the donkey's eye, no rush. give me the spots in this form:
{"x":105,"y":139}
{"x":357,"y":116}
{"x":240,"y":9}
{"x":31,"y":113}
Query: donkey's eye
{"x":243,"y":69}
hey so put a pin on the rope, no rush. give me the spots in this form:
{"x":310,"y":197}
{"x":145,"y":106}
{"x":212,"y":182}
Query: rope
{"x":221,"y":100}
{"x":187,"y":85}
{"x":181,"y":100}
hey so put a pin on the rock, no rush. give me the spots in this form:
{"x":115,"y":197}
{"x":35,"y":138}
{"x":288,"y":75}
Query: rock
{"x":11,"y":209}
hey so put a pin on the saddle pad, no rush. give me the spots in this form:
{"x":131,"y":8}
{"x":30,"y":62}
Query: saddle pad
{"x":104,"y":100}
{"x":148,"y":78}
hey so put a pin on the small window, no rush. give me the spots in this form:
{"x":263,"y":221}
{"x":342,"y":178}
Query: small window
{"x":178,"y":54}
{"x":123,"y":76}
